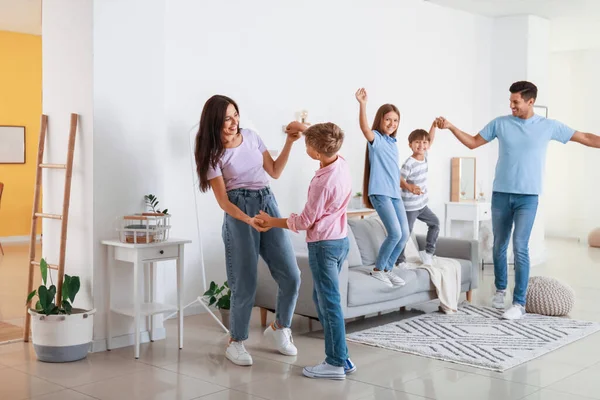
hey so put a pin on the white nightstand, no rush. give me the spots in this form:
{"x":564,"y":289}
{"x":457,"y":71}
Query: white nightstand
{"x":140,"y":255}
{"x":474,"y":212}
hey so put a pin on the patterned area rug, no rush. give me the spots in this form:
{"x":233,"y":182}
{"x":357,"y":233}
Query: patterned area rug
{"x":477,"y":336}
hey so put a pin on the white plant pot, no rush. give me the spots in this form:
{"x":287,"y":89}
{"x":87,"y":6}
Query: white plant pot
{"x":224,"y":317}
{"x":62,"y":338}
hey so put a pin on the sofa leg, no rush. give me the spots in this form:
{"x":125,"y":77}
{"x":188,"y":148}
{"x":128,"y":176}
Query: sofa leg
{"x":263,"y":316}
{"x":310,"y":325}
{"x":402,"y":309}
{"x":469,"y":295}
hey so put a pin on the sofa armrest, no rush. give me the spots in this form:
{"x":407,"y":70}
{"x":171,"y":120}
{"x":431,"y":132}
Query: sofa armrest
{"x":266,"y":291}
{"x":459,"y":249}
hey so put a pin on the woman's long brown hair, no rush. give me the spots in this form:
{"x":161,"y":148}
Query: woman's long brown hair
{"x":209,"y":147}
{"x":384,"y":109}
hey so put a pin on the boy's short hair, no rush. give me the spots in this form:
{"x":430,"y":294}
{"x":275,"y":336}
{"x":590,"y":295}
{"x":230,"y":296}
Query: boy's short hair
{"x":325,"y":138}
{"x":418,"y":134}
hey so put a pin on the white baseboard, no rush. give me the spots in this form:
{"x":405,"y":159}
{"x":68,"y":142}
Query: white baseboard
{"x":99,"y":345}
{"x":17,"y":239}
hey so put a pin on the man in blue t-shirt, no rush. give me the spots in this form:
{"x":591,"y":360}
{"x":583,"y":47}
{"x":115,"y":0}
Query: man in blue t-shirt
{"x":523,"y":138}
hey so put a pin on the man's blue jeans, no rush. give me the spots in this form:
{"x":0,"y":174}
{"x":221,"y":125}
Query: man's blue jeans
{"x":520,"y":210}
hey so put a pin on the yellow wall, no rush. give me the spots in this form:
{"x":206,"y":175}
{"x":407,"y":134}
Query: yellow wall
{"x":20,"y":104}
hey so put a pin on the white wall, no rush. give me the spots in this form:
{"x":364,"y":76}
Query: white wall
{"x":575,"y":169}
{"x":575,"y":45}
{"x":128,"y":129}
{"x":427,"y":60}
{"x":104,"y":61}
{"x":569,"y":33}
{"x":67,"y":88}
{"x":142,"y":92}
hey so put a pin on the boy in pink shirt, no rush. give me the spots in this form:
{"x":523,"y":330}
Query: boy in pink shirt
{"x":324,"y":218}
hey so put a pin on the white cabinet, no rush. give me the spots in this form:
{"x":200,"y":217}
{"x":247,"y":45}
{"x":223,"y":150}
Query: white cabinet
{"x":473,"y":212}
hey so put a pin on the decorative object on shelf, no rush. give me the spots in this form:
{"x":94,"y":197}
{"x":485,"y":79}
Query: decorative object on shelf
{"x":304,"y":116}
{"x":220,"y":297}
{"x":480,"y":192}
{"x":463,"y":179}
{"x":150,"y":228}
{"x":60,"y":333}
{"x":549,"y":296}
{"x":152,"y":203}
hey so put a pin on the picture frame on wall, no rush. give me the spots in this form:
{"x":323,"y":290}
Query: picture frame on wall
{"x":541,"y":110}
{"x":12,"y":144}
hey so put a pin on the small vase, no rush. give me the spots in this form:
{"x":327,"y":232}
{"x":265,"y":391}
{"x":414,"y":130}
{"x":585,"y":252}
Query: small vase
{"x":224,"y":317}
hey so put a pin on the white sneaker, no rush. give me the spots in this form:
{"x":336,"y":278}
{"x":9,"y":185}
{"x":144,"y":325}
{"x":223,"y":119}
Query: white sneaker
{"x":381,"y":276}
{"x":394,"y":279}
{"x":324,"y":371}
{"x":402,"y":265}
{"x":498,"y":300}
{"x":516,"y":311}
{"x":426,"y":258}
{"x":282,"y":340}
{"x":237,"y":354}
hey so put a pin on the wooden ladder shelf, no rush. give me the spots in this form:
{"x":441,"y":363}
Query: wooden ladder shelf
{"x":64,"y":217}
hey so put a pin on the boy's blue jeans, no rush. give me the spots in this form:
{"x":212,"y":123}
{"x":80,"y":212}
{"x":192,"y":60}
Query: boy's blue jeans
{"x":326,"y":259}
{"x":393,"y":215}
{"x":520,"y":209}
{"x":243,"y":245}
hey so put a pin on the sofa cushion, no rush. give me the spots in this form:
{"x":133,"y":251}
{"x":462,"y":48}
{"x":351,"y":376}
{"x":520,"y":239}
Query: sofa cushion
{"x":369,"y":234}
{"x":363,"y":289}
{"x":354,"y":259}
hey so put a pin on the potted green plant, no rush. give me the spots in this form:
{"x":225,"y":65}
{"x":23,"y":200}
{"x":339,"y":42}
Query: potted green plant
{"x":220,"y":297}
{"x":59,"y":332}
{"x":152,"y":203}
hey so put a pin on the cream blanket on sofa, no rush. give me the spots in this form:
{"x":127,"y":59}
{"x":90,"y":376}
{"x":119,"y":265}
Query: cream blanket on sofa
{"x":445,"y":275}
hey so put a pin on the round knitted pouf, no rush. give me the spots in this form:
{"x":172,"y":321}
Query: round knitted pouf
{"x":594,"y":238}
{"x":548,"y":296}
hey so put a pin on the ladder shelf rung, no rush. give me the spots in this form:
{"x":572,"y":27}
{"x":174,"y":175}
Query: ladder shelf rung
{"x":51,"y":216}
{"x":54,"y":166}
{"x":50,"y":266}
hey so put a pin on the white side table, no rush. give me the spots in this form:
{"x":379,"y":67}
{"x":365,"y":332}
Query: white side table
{"x":140,"y":255}
{"x":474,"y":212}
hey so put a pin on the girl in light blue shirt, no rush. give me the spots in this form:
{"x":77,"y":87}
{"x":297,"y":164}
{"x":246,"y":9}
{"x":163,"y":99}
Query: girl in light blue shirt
{"x":381,"y":185}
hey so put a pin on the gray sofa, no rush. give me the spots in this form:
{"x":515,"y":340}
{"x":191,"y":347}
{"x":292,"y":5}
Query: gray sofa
{"x":361,"y":294}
